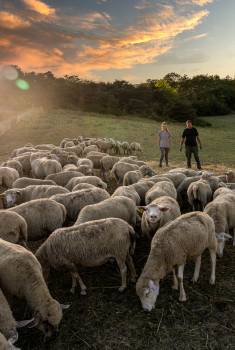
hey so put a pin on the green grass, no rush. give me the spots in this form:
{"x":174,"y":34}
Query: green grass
{"x":50,"y":127}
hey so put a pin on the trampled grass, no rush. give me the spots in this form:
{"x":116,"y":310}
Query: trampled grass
{"x":50,"y":127}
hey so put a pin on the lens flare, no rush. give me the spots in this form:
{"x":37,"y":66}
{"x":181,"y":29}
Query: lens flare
{"x":22,"y":84}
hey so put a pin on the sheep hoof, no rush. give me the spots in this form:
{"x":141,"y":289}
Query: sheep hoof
{"x":194,"y":280}
{"x":83,"y":292}
{"x":121,"y":289}
{"x":183,"y":298}
{"x":175,"y":286}
{"x":72,"y":290}
{"x":212,"y":281}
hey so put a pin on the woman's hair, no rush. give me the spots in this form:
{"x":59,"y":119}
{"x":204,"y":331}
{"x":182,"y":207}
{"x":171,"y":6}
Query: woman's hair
{"x":164,"y":126}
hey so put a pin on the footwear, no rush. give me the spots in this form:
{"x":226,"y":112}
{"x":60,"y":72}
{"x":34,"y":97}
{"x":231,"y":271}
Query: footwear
{"x":160,"y":165}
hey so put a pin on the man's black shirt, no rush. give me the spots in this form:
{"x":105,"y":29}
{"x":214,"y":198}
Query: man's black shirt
{"x":190,"y":135}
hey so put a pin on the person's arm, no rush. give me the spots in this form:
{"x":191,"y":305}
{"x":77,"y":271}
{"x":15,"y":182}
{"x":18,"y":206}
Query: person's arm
{"x":199,"y":142}
{"x":182,"y":142}
{"x":159,"y":136}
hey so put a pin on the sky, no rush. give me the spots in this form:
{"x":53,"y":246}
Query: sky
{"x":132,"y":40}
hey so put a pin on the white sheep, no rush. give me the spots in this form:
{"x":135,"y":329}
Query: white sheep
{"x":62,"y":178}
{"x":107,"y":162}
{"x":230,"y":174}
{"x":120,"y":169}
{"x":221,"y":191}
{"x":21,"y":276}
{"x":176,"y":178}
{"x":85,"y":161}
{"x":199,"y":194}
{"x":90,"y":244}
{"x":96,"y":157}
{"x":114,"y":207}
{"x":129,"y":192}
{"x":162,"y":188}
{"x":187,"y":172}
{"x":142,"y":188}
{"x":94,"y":180}
{"x":185,"y":237}
{"x":83,"y":186}
{"x":42,"y":167}
{"x":13,"y":227}
{"x":23,"y":182}
{"x":158,"y":213}
{"x":8,"y":176}
{"x":15,"y":164}
{"x":43,"y":216}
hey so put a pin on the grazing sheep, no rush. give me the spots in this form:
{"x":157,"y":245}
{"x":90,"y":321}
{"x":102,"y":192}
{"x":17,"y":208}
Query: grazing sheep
{"x":159,"y":178}
{"x":70,"y":167}
{"x":176,"y":178}
{"x":127,"y":191}
{"x":185,"y":237}
{"x":27,"y":181}
{"x":83,"y":186}
{"x":42,"y":167}
{"x":13,"y":228}
{"x":156,"y":214}
{"x":222,"y":210}
{"x":199,"y":194}
{"x":21,"y":276}
{"x":126,"y":147}
{"x":43,"y":216}
{"x":114,"y":207}
{"x":182,"y":190}
{"x":96,"y":157}
{"x":222,"y":190}
{"x":77,"y":150}
{"x":65,"y":157}
{"x":75,"y":201}
{"x":187,"y":172}
{"x":132,"y":177}
{"x":85,"y":169}
{"x":24,"y":160}
{"x":90,"y":244}
{"x":230,"y":174}
{"x":162,"y":188}
{"x":18,"y":151}
{"x":8,"y":176}
{"x":85,"y":161}
{"x":132,"y":160}
{"x":94,"y":180}
{"x":107,"y":162}
{"x":120,"y":169}
{"x":213,"y":181}
{"x":61,"y":179}
{"x":16,"y":196}
{"x":142,"y":188}
{"x":15,"y":164}
{"x":91,"y":148}
{"x":135,"y":148}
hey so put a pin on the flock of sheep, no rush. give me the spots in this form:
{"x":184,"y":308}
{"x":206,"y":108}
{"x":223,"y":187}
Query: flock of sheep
{"x":62,"y":194}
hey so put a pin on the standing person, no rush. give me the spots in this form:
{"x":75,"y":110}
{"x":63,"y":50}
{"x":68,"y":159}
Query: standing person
{"x":190,"y":138}
{"x":164,"y":143}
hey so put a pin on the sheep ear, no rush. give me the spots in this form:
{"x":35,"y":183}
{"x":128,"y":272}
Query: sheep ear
{"x":65,"y":306}
{"x":163,"y":208}
{"x":24,"y":323}
{"x":13,"y":337}
{"x":35,"y":321}
{"x":227,"y":236}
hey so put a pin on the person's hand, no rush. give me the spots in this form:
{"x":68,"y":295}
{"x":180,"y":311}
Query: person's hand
{"x":180,"y":148}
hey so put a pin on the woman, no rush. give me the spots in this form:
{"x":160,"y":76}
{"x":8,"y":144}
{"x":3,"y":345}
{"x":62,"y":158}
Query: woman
{"x":164,"y":143}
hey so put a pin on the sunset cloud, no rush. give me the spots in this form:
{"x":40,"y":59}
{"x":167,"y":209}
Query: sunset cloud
{"x":40,"y":7}
{"x":11,"y":21}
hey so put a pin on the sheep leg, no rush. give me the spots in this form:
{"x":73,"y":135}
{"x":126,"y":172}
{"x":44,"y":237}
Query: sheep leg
{"x":131,"y":267}
{"x":234,"y":237}
{"x":197,"y":269}
{"x":175,"y":281}
{"x":180,"y":279}
{"x":123,"y":271}
{"x":76,"y":277}
{"x":213,"y":265}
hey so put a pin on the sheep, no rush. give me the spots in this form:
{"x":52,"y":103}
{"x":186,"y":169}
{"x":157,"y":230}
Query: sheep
{"x":185,"y":237}
{"x":159,"y":178}
{"x":75,"y":201}
{"x":8,"y":344}
{"x":85,"y":169}
{"x":18,"y":151}
{"x":176,"y":178}
{"x":126,"y":147}
{"x":70,"y":167}
{"x":182,"y":190}
{"x":21,"y":277}
{"x":95,"y":157}
{"x":222,"y":210}
{"x":132,"y":177}
{"x":42,"y":167}
{"x":83,"y":186}
{"x":90,"y":148}
{"x":46,"y":147}
{"x":156,"y":214}
{"x":7,"y":321}
{"x":230,"y":174}
{"x":65,"y":157}
{"x":213,"y":181}
{"x":24,"y":160}
{"x":135,"y":147}
{"x":94,"y":180}
{"x":106,"y":164}
{"x":85,"y":161}
{"x":90,"y":244}
{"x":132,"y":160}
{"x":15,"y":164}
{"x":42,"y":216}
{"x":104,"y":146}
{"x":231,"y":185}
{"x":120,"y":169}
{"x":187,"y":172}
{"x":114,"y":207}
{"x":162,"y":188}
{"x":16,"y":196}
{"x":77,"y":150}
{"x":26,"y":181}
{"x":13,"y":228}
{"x":141,"y":188}
{"x":199,"y":194}
{"x":221,"y":191}
{"x":129,"y":192}
{"x":8,"y":176}
{"x":62,"y":178}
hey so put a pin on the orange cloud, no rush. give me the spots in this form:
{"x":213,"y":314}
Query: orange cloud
{"x":40,"y":7}
{"x":11,"y":21}
{"x":202,"y":2}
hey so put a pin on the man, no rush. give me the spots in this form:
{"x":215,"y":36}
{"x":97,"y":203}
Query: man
{"x":191,"y":140}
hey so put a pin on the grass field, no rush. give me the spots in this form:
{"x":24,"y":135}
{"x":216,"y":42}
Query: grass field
{"x":50,"y":127}
{"x":106,"y":319}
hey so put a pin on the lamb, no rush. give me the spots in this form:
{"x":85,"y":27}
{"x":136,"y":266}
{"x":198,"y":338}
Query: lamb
{"x":62,"y":178}
{"x":8,"y":176}
{"x":141,"y":188}
{"x":162,"y":188}
{"x":176,"y":178}
{"x":43,"y":216}
{"x":46,"y":147}
{"x":42,"y":167}
{"x":16,"y":196}
{"x":13,"y":228}
{"x":129,"y":192}
{"x":15,"y":164}
{"x":94,"y":180}
{"x":156,"y":214}
{"x":21,"y":276}
{"x":26,"y":181}
{"x":199,"y":194}
{"x":222,"y":210}
{"x":120,"y":169}
{"x":185,"y":237}
{"x":114,"y":207}
{"x":75,"y":201}
{"x":90,"y":244}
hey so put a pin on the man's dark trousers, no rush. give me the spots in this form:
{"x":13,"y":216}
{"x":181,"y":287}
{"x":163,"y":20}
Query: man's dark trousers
{"x":189,"y":150}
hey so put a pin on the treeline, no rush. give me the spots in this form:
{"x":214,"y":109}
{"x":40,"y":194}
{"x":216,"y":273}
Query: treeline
{"x":173,"y":97}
